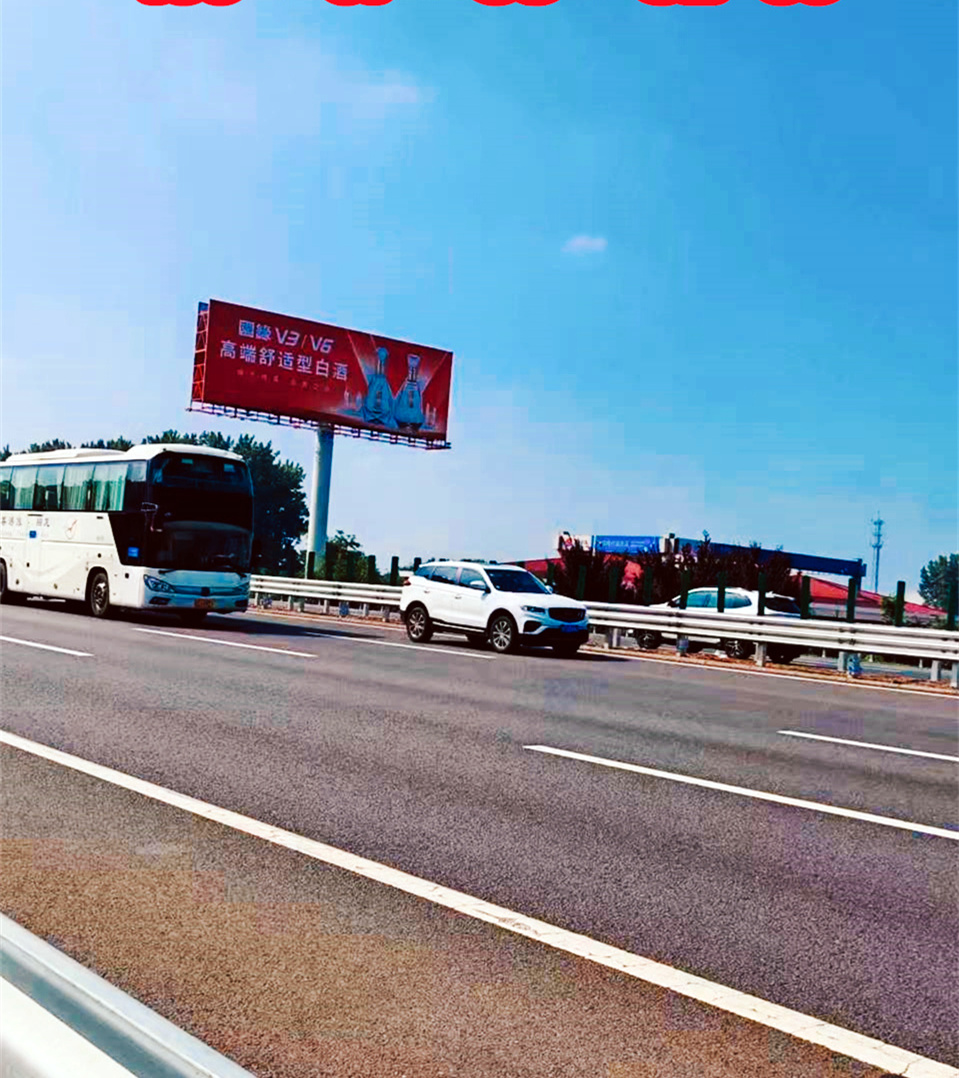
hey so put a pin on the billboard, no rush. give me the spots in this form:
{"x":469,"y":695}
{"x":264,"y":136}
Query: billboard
{"x":271,"y":365}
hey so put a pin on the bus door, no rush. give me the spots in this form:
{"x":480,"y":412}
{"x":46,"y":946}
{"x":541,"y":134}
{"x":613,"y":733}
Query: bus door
{"x":33,"y":545}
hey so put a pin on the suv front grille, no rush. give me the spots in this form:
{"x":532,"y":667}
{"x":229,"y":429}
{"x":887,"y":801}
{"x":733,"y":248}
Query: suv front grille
{"x":562,"y":613}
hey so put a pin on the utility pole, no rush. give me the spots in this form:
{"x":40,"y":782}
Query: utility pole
{"x":877,"y":546}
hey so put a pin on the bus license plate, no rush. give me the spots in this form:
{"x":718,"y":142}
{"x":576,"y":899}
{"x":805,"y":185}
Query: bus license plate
{"x":203,"y":604}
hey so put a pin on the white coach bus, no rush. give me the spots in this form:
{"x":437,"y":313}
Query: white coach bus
{"x":159,"y":527}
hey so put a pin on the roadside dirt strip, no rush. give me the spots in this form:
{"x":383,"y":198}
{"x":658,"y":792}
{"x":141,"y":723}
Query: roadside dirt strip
{"x":296,"y":967}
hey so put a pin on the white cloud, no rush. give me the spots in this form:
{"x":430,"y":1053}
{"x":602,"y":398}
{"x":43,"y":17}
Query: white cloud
{"x":585,"y":245}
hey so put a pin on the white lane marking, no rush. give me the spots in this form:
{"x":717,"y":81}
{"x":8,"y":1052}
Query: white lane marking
{"x":870,"y":745}
{"x":876,"y":1053}
{"x":743,"y":791}
{"x":47,"y":647}
{"x":393,"y":644}
{"x":228,"y":643}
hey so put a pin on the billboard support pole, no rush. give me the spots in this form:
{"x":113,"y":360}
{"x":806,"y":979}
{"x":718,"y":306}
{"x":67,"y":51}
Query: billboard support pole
{"x":320,"y":496}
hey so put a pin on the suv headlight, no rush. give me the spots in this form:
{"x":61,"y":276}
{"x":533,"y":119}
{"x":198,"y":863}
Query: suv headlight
{"x":533,"y":610}
{"x":154,"y":583}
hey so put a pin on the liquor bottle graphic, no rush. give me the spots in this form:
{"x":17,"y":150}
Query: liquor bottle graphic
{"x":409,"y":403}
{"x":378,"y":407}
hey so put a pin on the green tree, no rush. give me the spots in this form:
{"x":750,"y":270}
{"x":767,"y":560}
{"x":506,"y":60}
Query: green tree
{"x":121,"y":443}
{"x":5,"y":452}
{"x":48,"y":447}
{"x":936,"y":578}
{"x":348,"y":561}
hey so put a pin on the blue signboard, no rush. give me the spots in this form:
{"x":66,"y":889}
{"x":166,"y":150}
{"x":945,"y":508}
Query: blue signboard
{"x":646,"y":544}
{"x":626,"y":544}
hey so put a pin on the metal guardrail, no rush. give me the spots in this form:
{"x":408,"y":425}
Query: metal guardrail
{"x":58,"y":1012}
{"x":845,"y":637}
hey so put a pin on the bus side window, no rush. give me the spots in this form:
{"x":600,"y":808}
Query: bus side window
{"x":24,"y":483}
{"x":6,"y":488}
{"x":49,"y":482}
{"x":136,"y":486}
{"x":77,"y":488}
{"x":108,"y":483}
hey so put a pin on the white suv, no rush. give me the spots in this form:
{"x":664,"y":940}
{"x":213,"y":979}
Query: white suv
{"x":739,"y":603}
{"x":503,"y":605}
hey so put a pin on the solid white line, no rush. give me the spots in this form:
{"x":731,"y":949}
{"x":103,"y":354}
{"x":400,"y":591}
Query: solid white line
{"x":876,"y":1053}
{"x":47,"y":647}
{"x":743,"y":791}
{"x":228,"y":643}
{"x":870,"y":745}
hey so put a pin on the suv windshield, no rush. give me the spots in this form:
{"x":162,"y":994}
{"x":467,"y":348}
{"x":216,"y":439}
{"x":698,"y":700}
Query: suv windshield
{"x":516,"y":580}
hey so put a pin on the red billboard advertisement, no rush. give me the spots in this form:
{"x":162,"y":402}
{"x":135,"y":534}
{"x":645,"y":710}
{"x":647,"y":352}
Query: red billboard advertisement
{"x":259,"y":363}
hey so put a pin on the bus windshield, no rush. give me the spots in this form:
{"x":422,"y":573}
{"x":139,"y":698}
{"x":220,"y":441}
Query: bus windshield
{"x":204,"y":515}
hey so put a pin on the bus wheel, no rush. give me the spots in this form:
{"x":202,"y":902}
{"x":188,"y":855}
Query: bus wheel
{"x":6,"y":595}
{"x":98,"y":594}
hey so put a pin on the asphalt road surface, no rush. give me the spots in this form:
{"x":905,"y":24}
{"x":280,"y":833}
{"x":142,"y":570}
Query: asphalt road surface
{"x":431,"y":760}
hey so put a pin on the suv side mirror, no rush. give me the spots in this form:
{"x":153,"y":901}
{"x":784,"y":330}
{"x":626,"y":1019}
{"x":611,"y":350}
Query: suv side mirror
{"x":478,"y":585}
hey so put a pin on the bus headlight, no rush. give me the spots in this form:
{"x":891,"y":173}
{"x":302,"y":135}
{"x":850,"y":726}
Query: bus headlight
{"x":154,"y":583}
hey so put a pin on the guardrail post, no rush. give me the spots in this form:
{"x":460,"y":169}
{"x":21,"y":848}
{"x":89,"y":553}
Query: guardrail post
{"x":762,"y":600}
{"x":615,"y":576}
{"x":761,"y":653}
{"x":851,"y":599}
{"x":900,"y":603}
{"x":721,"y":597}
{"x":612,"y":639}
{"x":301,"y":605}
{"x":806,"y":596}
{"x":394,"y":571}
{"x":684,"y":589}
{"x":387,"y":611}
{"x":581,"y":584}
{"x":365,"y":610}
{"x":291,"y":603}
{"x":954,"y":680}
{"x":326,"y":606}
{"x":951,"y":608}
{"x":934,"y":668}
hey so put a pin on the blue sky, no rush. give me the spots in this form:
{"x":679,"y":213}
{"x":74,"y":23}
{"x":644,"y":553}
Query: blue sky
{"x":697,"y":265}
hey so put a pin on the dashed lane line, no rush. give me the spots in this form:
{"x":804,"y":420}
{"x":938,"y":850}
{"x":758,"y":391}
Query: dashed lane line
{"x":876,"y":1053}
{"x":47,"y":647}
{"x":743,"y":791}
{"x":227,"y":643}
{"x":871,"y":745}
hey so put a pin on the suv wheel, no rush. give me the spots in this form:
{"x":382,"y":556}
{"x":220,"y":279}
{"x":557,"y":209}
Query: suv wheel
{"x":738,"y":649}
{"x":419,"y":627}
{"x":502,"y":634}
